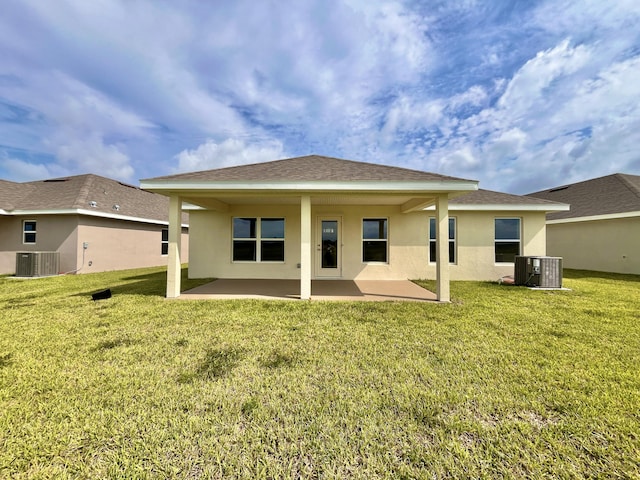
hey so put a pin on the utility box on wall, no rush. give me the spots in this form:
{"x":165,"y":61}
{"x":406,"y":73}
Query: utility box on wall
{"x":544,"y":272}
{"x":37,"y":264}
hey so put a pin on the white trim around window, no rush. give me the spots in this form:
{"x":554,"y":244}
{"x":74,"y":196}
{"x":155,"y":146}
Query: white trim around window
{"x":257,"y":239}
{"x":375,"y":240}
{"x":453,"y":251}
{"x":507,"y":239}
{"x":29,"y":232}
{"x":164,"y":242}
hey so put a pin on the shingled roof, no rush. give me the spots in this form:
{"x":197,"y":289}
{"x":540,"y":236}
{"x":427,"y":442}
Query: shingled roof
{"x":488,"y":197}
{"x":89,"y":193}
{"x":11,"y":193}
{"x":612,"y":194}
{"x":310,"y":168}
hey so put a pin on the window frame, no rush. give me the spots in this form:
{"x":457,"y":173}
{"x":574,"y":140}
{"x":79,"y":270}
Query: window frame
{"x":453,"y":240}
{"x":497,"y":241}
{"x":385,"y":240}
{"x":258,"y":240}
{"x":164,"y":244}
{"x":26,"y":232}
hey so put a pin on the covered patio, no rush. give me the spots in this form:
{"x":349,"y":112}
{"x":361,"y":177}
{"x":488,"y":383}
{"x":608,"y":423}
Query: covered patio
{"x":323,"y":290}
{"x":332,"y":222}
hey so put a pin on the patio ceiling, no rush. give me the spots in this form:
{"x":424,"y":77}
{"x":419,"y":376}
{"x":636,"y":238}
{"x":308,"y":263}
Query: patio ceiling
{"x":223,"y":201}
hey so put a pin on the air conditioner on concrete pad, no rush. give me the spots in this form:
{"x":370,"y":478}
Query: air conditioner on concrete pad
{"x":538,"y":271}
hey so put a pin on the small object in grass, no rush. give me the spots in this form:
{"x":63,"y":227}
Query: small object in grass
{"x":102,"y":295}
{"x":507,"y":280}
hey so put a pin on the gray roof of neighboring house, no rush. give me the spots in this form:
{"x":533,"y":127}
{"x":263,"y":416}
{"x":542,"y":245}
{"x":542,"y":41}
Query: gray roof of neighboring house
{"x":11,"y":193}
{"x":309,"y":168}
{"x":78,"y":192}
{"x":617,"y":193}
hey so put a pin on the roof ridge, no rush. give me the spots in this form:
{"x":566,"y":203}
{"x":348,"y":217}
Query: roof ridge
{"x":84,"y":190}
{"x":632,"y":188}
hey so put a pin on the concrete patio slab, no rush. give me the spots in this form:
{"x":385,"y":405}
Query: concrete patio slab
{"x":328,"y":290}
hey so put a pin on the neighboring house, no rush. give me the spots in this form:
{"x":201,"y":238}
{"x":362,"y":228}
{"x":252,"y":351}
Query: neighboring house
{"x":316,"y":217}
{"x":602,"y":230}
{"x":95,"y":223}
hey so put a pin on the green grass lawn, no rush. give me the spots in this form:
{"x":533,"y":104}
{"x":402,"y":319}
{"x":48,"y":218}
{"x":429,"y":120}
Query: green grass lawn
{"x":503,"y":382}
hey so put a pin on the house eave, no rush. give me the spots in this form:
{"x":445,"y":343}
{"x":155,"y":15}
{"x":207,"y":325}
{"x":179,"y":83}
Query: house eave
{"x":594,"y":218}
{"x":506,"y":207}
{"x":309,"y":187}
{"x":81,"y":211}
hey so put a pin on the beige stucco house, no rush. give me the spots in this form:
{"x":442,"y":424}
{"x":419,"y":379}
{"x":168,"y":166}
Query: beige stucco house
{"x":317,"y":217}
{"x":602,"y":230}
{"x":94,"y":223}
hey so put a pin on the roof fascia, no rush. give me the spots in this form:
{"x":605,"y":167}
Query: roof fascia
{"x":80,"y":211}
{"x":593,"y":218}
{"x":507,"y":207}
{"x":358,"y":186}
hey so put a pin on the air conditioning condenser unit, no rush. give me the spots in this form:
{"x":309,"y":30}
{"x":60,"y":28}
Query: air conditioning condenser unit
{"x":37,"y":264}
{"x":543,"y":272}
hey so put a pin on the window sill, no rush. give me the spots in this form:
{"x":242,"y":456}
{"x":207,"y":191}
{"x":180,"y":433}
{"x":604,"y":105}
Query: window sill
{"x":256,"y":262}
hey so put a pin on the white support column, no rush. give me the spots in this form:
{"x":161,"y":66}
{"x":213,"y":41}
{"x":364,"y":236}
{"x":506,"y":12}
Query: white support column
{"x":175,"y":236}
{"x":442,"y":248}
{"x":305,"y":247}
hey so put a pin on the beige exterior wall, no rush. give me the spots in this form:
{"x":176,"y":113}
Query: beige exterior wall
{"x":54,"y":233}
{"x":602,"y":245}
{"x":120,"y":245}
{"x":10,"y":242}
{"x":408,"y":249}
{"x":113,"y":244}
{"x":475,"y":233}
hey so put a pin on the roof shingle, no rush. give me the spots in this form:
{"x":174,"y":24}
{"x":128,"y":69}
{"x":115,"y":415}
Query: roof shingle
{"x":488,"y":197}
{"x":616,"y":193}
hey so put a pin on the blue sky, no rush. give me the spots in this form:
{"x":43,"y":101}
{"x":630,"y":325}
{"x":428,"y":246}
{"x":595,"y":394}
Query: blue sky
{"x":521,"y":95}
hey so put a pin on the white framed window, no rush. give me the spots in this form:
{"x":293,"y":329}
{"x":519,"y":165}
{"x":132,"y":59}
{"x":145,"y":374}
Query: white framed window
{"x":257,"y":239}
{"x":507,"y":239}
{"x":374,"y":240}
{"x":29,"y":231}
{"x":452,"y":240}
{"x":164,"y":242}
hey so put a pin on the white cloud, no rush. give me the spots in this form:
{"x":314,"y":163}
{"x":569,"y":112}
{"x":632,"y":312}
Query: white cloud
{"x":528,"y":87}
{"x":22,"y":171}
{"x":92,"y":155}
{"x":230,"y":152}
{"x":406,"y":114}
{"x":475,"y":96}
{"x":460,"y":160}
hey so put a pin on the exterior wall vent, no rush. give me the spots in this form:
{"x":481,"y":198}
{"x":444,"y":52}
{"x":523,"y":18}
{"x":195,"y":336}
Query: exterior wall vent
{"x":37,"y":264}
{"x":116,"y":207}
{"x":543,"y":272}
{"x":93,"y":204}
